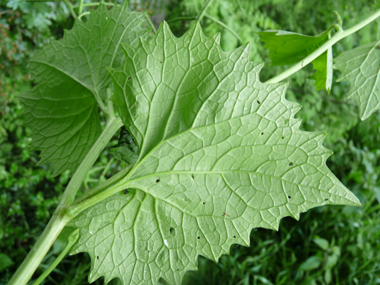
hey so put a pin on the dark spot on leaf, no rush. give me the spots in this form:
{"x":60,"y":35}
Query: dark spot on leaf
{"x":192,"y":176}
{"x":158,"y":180}
{"x":129,"y":78}
{"x":126,"y":191}
{"x":97,"y":257}
{"x":234,"y":236}
{"x":262,"y":133}
{"x":204,"y":203}
{"x":172,"y":232}
{"x":283,"y":137}
{"x":289,"y":197}
{"x":326,"y":199}
{"x":198,"y":237}
{"x":160,"y":61}
{"x":177,"y":269}
{"x":290,"y":163}
{"x":258,"y":102}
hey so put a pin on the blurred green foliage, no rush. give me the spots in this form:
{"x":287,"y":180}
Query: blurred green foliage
{"x":329,"y":245}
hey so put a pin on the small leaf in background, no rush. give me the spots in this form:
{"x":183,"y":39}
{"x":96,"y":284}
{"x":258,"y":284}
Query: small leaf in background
{"x":322,"y":243}
{"x":62,"y":109}
{"x":361,"y":67}
{"x":311,"y":263}
{"x":287,"y":48}
{"x":220,"y":153}
{"x":5,"y":261}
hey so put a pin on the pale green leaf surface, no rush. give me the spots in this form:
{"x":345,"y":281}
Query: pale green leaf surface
{"x":220,"y":154}
{"x":361,"y":67}
{"x":62,"y":110}
{"x":287,"y":48}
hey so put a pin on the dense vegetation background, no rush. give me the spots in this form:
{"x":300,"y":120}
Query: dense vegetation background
{"x":329,"y":245}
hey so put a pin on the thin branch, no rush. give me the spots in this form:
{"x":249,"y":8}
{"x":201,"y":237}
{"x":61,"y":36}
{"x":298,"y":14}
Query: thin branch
{"x":83,"y":14}
{"x":224,"y":26}
{"x":334,"y":39}
{"x":70,"y":242}
{"x":70,"y":7}
{"x":203,"y":10}
{"x":80,"y":7}
{"x":182,"y":19}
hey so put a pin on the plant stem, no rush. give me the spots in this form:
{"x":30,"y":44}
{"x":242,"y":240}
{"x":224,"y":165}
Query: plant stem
{"x":39,"y":250}
{"x":83,"y":14}
{"x":70,"y":242}
{"x":224,"y":26}
{"x":98,"y":193}
{"x":94,"y":4}
{"x":60,"y":219}
{"x":72,"y":188}
{"x":182,"y":19}
{"x":80,"y":7}
{"x":70,"y":7}
{"x":334,"y":39}
{"x":203,"y":11}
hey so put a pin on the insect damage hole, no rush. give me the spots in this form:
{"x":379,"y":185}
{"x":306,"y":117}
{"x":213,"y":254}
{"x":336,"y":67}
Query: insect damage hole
{"x":262,"y":133}
{"x":289,"y":197}
{"x":192,"y":176}
{"x":291,"y":164}
{"x":172,"y":232}
{"x":158,"y":180}
{"x":258,"y":102}
{"x":198,"y":237}
{"x":126,"y":191}
{"x":326,"y":199}
{"x":97,"y":257}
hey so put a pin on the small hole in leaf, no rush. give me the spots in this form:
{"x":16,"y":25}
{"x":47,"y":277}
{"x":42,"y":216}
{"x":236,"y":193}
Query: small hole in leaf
{"x":262,"y":133}
{"x":97,"y":257}
{"x":290,"y":163}
{"x":326,"y":199}
{"x":198,"y":237}
{"x":258,"y":102}
{"x":158,"y":180}
{"x":234,"y":236}
{"x":204,"y":203}
{"x":126,"y":191}
{"x":172,"y":232}
{"x":289,"y":197}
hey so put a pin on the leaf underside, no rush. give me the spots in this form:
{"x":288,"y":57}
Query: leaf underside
{"x":361,"y":67}
{"x":220,"y":154}
{"x":287,"y":48}
{"x":62,"y":110}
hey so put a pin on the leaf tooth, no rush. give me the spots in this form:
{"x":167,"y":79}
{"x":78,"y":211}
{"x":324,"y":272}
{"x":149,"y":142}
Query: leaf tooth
{"x":217,"y":37}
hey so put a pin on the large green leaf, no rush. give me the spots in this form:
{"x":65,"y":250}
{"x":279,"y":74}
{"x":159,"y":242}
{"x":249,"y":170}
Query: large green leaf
{"x":361,"y":67}
{"x":220,"y":154}
{"x":287,"y":48}
{"x":62,"y":110}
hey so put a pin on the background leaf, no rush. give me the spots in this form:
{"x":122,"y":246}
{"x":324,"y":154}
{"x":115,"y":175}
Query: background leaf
{"x":286,"y":48}
{"x":62,"y":110}
{"x":361,"y":67}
